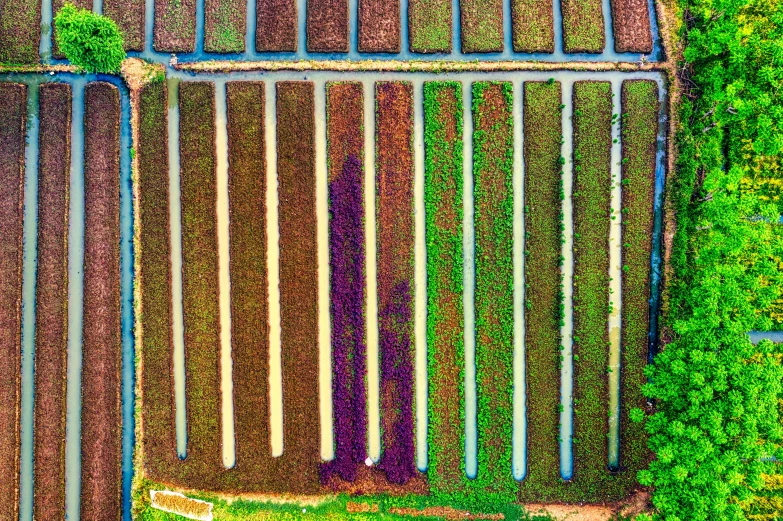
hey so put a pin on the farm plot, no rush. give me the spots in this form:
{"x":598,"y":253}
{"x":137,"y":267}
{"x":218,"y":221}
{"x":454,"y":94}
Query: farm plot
{"x":276,"y":152}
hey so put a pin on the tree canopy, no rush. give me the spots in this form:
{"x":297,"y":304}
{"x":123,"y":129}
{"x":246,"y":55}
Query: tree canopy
{"x":90,"y":41}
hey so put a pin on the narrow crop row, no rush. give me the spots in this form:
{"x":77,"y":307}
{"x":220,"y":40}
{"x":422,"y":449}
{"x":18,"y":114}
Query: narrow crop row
{"x":443,"y":185}
{"x":345,"y":155}
{"x":482,"y":25}
{"x":639,"y":126}
{"x":225,"y":25}
{"x":430,"y":25}
{"x":13,"y":116}
{"x":543,"y":306}
{"x":583,"y":26}
{"x":129,"y":15}
{"x":592,"y":124}
{"x":493,"y":157}
{"x":276,"y":25}
{"x":51,"y":302}
{"x":379,"y":26}
{"x":532,"y":23}
{"x":175,"y":26}
{"x":298,"y":284}
{"x":327,"y":25}
{"x":20,"y":31}
{"x":394,"y":189}
{"x":102,"y":350}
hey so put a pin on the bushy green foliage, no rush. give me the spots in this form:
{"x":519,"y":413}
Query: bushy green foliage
{"x":717,"y":395}
{"x":90,"y":41}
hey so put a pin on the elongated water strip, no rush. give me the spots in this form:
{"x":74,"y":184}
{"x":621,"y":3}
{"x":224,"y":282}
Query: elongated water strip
{"x":177,"y":317}
{"x":373,"y":354}
{"x":45,"y":46}
{"x":567,"y":273}
{"x":29,"y":275}
{"x":273,"y":274}
{"x":251,"y":24}
{"x":519,"y":436}
{"x":76,"y":225}
{"x":324,"y":318}
{"x":420,"y":279}
{"x":615,"y":281}
{"x":469,"y":290}
{"x":226,"y":380}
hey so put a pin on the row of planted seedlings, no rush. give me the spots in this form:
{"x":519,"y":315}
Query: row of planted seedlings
{"x":328,"y":26}
{"x":383,"y":159}
{"x":71,"y":262}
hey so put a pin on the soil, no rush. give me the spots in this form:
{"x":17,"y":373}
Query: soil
{"x":129,"y":15}
{"x":225,"y":23}
{"x":532,"y":26}
{"x":379,"y":26}
{"x":429,"y":23}
{"x":443,"y":186}
{"x":51,"y":306}
{"x":542,"y":278}
{"x":298,"y":285}
{"x":175,"y":26}
{"x":102,"y":348}
{"x":631,"y":24}
{"x":20,"y":31}
{"x":276,"y":28}
{"x":13,"y":117}
{"x":345,"y":154}
{"x":156,"y":384}
{"x":327,"y":25}
{"x":482,"y":25}
{"x":373,"y":480}
{"x":394,"y":189}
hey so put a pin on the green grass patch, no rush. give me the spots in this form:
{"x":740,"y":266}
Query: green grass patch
{"x":532,"y":23}
{"x":583,"y":26}
{"x":430,"y":26}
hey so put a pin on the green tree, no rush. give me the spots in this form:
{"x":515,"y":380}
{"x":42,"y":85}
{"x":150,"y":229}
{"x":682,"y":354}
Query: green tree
{"x":90,"y":41}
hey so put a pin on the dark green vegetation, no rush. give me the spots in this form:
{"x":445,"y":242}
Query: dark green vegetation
{"x":717,"y":396}
{"x":90,"y":41}
{"x":532,"y":23}
{"x":430,"y":25}
{"x":482,"y":25}
{"x":493,"y":158}
{"x":592,"y":122}
{"x":443,"y":182}
{"x":20,"y":31}
{"x":583,"y":26}
{"x":543,"y":307}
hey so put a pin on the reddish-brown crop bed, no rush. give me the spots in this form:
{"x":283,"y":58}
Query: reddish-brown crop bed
{"x":13,"y":111}
{"x":51,"y":303}
{"x":102,"y":349}
{"x":129,"y":15}
{"x":20,"y":31}
{"x":276,"y":28}
{"x":175,"y":26}
{"x":379,"y":26}
{"x":631,"y":24}
{"x":298,"y":284}
{"x":327,"y":25}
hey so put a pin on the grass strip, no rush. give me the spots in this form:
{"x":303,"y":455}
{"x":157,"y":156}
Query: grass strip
{"x":129,"y":16}
{"x":592,"y":123}
{"x":276,"y":25}
{"x":639,"y":126}
{"x":429,"y":23}
{"x":298,"y":284}
{"x":543,"y":294}
{"x":345,"y":154}
{"x":631,"y":25}
{"x":379,"y":26}
{"x":51,"y":303}
{"x":532,"y":26}
{"x":20,"y":31}
{"x":443,"y":155}
{"x":200,"y":280}
{"x":583,"y":26}
{"x":482,"y":25}
{"x":225,"y":25}
{"x":175,"y":26}
{"x":394,"y":204}
{"x":493,"y":159}
{"x":327,"y":25}
{"x":13,"y":118}
{"x":102,"y":349}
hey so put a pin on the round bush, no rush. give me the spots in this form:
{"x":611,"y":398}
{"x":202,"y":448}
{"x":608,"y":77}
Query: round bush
{"x":90,"y":41}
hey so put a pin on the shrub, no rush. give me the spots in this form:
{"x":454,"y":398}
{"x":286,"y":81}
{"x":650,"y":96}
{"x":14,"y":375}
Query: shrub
{"x":90,"y":41}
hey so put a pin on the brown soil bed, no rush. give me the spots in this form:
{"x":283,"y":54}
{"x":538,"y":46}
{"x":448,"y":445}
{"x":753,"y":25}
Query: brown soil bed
{"x":631,"y":25}
{"x":379,"y":26}
{"x":298,"y":285}
{"x":20,"y":31}
{"x":429,"y":23}
{"x":175,"y":26}
{"x":276,"y":28}
{"x":482,"y":25}
{"x":129,"y":15}
{"x":225,"y":23}
{"x":532,"y":26}
{"x":13,"y":116}
{"x":394,"y":208}
{"x":373,"y":481}
{"x":102,"y":349}
{"x":51,"y":304}
{"x":327,"y":25}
